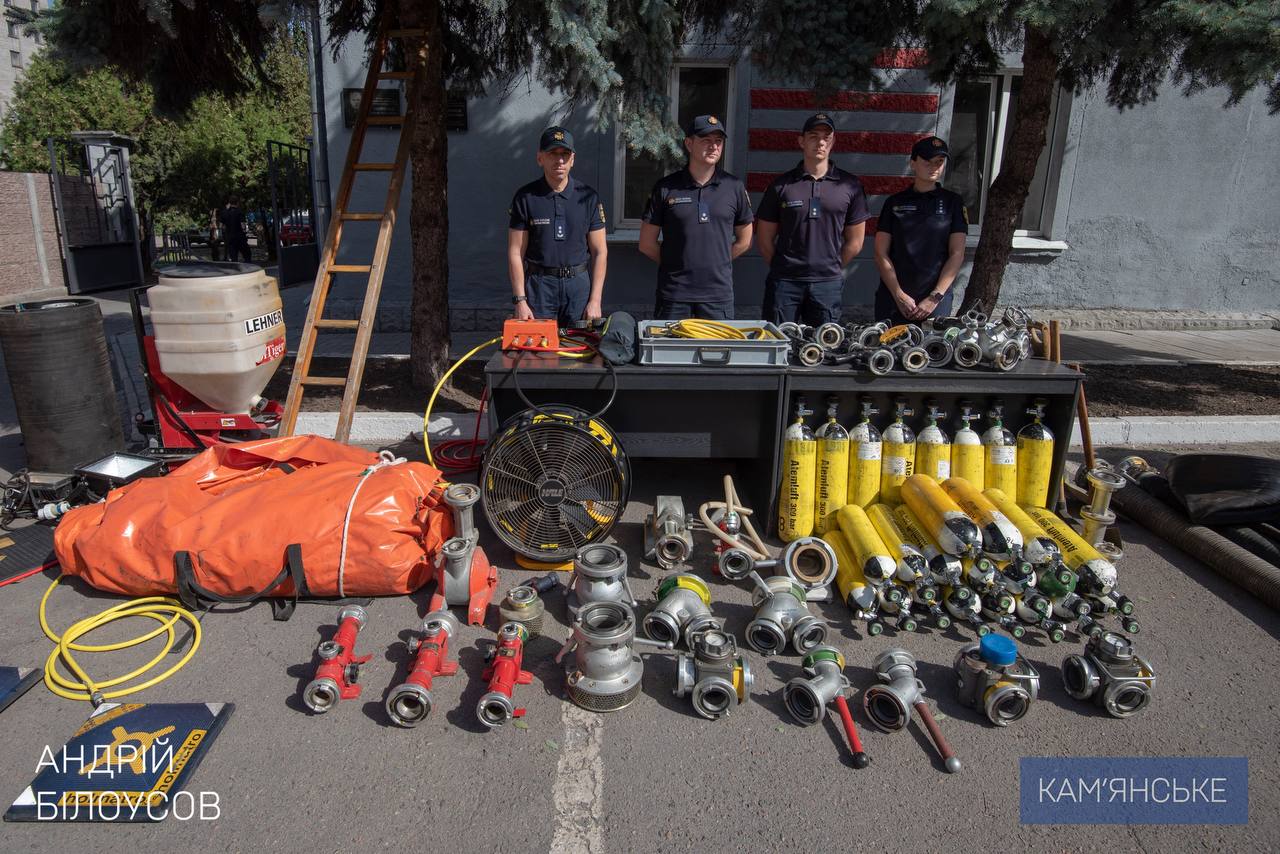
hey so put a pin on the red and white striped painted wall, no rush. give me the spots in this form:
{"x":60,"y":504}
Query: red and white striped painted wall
{"x":876,"y":128}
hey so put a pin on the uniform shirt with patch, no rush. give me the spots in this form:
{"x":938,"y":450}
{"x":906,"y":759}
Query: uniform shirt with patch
{"x":920,"y":226}
{"x":697,"y":234}
{"x":557,"y":222}
{"x":812,"y":214}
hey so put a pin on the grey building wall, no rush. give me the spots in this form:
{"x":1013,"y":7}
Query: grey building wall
{"x":1166,"y":206}
{"x":1170,"y":205}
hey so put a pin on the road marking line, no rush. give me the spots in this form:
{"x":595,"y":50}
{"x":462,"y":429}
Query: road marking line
{"x":579,"y":787}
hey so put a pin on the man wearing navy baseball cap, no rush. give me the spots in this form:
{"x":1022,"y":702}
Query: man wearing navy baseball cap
{"x":920,"y":241}
{"x":810,"y":225}
{"x":555,"y":238}
{"x":704,"y":216}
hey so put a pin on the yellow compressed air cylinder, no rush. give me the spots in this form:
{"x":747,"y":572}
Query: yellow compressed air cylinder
{"x":898,"y":462}
{"x":877,"y":562}
{"x":967,"y":457}
{"x":945,"y":567}
{"x":851,"y":581}
{"x":1038,"y":548}
{"x":933,"y":449}
{"x":799,"y":474}
{"x":1000,"y":537}
{"x":1035,"y":459}
{"x":865,"y":450}
{"x":1000,"y":468}
{"x":911,"y":563}
{"x":832,"y":485}
{"x":944,"y":521}
{"x":1076,"y":551}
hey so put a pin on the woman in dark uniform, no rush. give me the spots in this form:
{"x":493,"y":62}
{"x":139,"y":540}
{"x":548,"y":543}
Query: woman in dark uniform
{"x":920,"y":241}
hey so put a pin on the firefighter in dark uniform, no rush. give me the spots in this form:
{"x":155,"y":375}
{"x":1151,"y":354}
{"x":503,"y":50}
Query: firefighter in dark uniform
{"x":556,"y":252}
{"x":920,"y":241}
{"x":704,"y":216}
{"x":810,"y":225}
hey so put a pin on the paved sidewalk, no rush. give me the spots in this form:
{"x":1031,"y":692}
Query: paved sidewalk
{"x":1160,"y":346}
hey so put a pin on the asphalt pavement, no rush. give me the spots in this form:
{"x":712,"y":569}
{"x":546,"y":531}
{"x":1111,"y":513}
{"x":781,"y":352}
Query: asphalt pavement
{"x":656,"y":776}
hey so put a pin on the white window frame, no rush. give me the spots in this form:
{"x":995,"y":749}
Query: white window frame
{"x":632,"y":226}
{"x":997,"y":121}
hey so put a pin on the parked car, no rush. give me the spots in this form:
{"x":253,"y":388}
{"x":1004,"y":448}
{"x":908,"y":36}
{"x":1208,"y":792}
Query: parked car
{"x":296,"y":229}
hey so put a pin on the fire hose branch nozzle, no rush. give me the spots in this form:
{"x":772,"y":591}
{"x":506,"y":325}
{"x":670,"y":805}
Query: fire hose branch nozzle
{"x":889,"y":705}
{"x":504,"y":672}
{"x":339,"y":671}
{"x":409,"y":703}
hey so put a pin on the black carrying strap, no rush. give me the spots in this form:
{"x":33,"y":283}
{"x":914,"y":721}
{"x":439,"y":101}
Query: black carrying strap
{"x":196,"y":597}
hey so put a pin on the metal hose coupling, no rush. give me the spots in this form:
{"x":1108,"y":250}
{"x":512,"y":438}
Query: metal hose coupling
{"x":807,"y":697}
{"x":810,"y":354}
{"x":811,"y":563}
{"x":523,"y":605}
{"x":599,"y":575}
{"x":1098,"y":515}
{"x":782,"y":617}
{"x":914,"y":359}
{"x":1111,"y":674}
{"x":993,"y":677}
{"x":337,"y":677}
{"x":714,"y":675}
{"x":668,"y":534}
{"x":461,"y":499}
{"x":409,"y":703}
{"x":606,"y":672}
{"x":888,"y":705}
{"x":829,"y":335}
{"x":684,"y":607}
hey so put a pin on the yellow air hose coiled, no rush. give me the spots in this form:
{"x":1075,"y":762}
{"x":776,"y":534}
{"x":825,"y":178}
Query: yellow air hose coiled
{"x":165,"y":611}
{"x":714,"y":329}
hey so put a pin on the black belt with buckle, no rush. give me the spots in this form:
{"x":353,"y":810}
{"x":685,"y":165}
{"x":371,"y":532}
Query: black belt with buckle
{"x":558,"y":272}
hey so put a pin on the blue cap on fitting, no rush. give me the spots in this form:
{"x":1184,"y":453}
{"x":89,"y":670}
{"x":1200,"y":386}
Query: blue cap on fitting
{"x":997,"y":650}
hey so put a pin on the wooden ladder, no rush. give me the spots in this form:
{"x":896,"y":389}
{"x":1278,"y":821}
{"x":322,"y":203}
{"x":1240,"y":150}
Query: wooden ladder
{"x":376,"y":268}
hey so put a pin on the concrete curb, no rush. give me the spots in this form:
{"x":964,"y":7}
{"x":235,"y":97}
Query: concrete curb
{"x":389,"y":428}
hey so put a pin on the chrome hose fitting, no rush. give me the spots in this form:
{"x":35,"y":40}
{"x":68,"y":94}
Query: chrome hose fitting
{"x":829,"y":335}
{"x":915,"y":359}
{"x":810,"y":354}
{"x":1111,"y":674}
{"x":606,"y":671}
{"x":993,"y":677}
{"x":668,"y":535}
{"x":684,"y":607}
{"x":599,"y":575}
{"x":523,"y":605}
{"x":811,"y":563}
{"x":458,"y":550}
{"x":714,"y":675}
{"x":1098,"y":515}
{"x":807,"y":697}
{"x":888,"y":705}
{"x":782,"y":617}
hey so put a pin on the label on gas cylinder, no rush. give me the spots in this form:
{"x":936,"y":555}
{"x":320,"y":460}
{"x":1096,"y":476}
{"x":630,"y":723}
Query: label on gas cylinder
{"x":944,"y":469}
{"x":895,"y":465}
{"x":868,"y":450}
{"x":1004,"y":455}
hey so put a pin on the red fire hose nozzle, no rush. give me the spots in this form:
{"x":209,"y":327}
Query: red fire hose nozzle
{"x":339,"y":669}
{"x":504,"y":673}
{"x":409,"y":703}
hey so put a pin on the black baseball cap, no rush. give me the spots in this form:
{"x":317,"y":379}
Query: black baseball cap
{"x":555,"y":137}
{"x":818,"y":120}
{"x":929,"y":148}
{"x":703,"y":125}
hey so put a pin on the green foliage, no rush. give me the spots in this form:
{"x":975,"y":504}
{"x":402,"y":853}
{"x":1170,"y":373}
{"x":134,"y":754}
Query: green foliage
{"x":181,"y":168}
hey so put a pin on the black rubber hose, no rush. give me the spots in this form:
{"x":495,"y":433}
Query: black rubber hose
{"x":1215,"y":551}
{"x":1252,"y":540}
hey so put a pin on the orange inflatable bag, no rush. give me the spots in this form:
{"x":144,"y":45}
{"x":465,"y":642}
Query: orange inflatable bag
{"x":293,"y":517}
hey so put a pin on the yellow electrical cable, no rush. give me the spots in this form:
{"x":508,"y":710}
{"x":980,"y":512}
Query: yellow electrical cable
{"x":712,"y":329}
{"x":165,"y":611}
{"x":426,"y":417}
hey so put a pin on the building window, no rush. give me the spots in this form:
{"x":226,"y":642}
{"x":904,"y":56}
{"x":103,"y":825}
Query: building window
{"x":13,"y":30}
{"x":981,"y":123}
{"x":697,"y":88}
{"x":15,"y":59}
{"x":35,"y":5}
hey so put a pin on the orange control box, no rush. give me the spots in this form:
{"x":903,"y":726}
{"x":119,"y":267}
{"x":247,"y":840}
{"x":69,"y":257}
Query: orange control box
{"x":521,"y":334}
